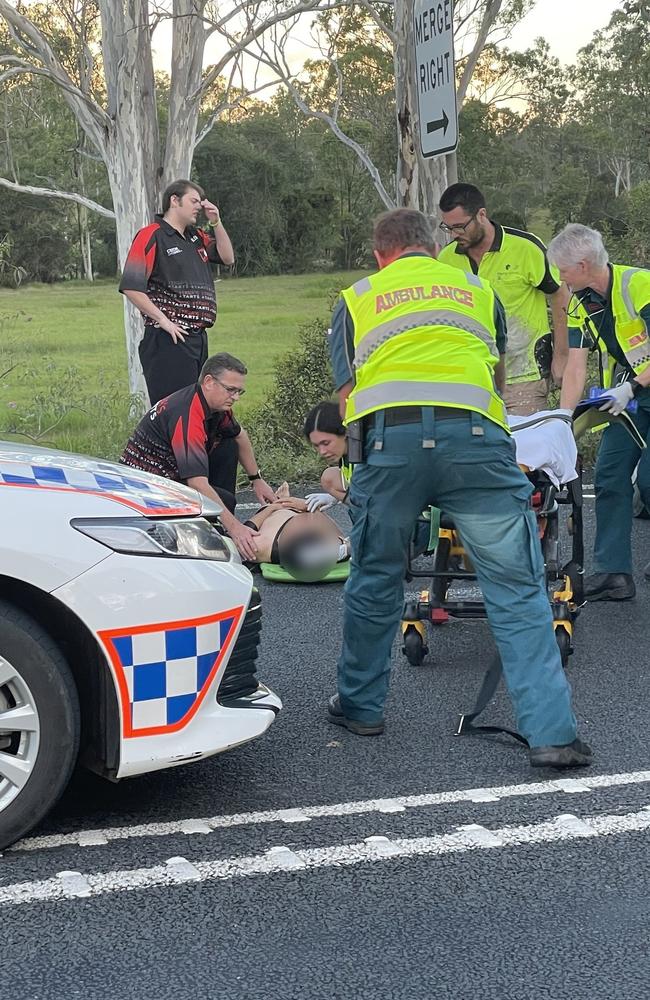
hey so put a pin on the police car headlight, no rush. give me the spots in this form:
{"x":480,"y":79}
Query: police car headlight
{"x":139,"y":536}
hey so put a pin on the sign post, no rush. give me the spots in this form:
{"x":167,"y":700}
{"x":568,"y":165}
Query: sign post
{"x":433,"y":34}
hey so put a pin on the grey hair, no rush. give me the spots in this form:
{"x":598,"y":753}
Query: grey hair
{"x":575,"y":243}
{"x":401,"y":228}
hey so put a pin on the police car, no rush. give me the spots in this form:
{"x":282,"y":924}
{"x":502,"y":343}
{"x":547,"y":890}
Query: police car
{"x":128,"y":629}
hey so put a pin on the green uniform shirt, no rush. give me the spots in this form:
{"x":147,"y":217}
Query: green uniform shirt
{"x":517,"y":267}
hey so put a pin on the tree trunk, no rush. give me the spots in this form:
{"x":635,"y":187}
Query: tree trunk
{"x":188,"y":44}
{"x":420,"y":180}
{"x":132,"y":145}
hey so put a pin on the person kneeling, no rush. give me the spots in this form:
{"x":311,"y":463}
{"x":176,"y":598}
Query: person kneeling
{"x":192,"y":437}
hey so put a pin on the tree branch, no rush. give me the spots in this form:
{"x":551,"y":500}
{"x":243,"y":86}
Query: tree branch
{"x":92,"y":118}
{"x":490,"y":14}
{"x":330,"y":120}
{"x":94,"y":206}
{"x":379,"y":21}
{"x":248,"y":37}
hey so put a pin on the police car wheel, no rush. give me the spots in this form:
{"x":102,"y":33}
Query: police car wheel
{"x":39,"y":723}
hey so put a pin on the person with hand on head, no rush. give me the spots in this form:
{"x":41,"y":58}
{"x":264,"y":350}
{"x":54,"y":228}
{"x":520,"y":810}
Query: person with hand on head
{"x":168,"y":277}
{"x":191,"y":436}
{"x":609,"y":311}
{"x":325,"y":431}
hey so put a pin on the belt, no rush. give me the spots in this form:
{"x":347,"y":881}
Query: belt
{"x":396,"y":415}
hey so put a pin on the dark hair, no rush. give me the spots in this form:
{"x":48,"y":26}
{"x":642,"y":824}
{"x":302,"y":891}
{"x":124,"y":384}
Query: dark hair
{"x":178,"y":189}
{"x":219,"y":363}
{"x":401,"y":228}
{"x":308,"y":557}
{"x":324,"y":417}
{"x":465,"y":196}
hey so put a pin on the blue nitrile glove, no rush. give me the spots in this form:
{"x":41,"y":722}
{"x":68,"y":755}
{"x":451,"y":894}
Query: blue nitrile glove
{"x":617,"y":399}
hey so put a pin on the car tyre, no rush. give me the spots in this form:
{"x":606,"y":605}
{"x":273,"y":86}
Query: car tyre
{"x":39,"y":723}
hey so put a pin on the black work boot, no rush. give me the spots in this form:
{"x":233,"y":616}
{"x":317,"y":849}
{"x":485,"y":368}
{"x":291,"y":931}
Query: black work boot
{"x":610,"y":587}
{"x":576,"y":754}
{"x":336,"y":717}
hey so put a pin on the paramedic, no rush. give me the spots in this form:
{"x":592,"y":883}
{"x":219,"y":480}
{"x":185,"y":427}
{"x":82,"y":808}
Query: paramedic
{"x":609,"y":310}
{"x":516,"y":265}
{"x":325,"y":431}
{"x":415,"y":349}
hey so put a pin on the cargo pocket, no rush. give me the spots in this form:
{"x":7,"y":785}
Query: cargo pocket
{"x":534,"y":545}
{"x":358,"y":511}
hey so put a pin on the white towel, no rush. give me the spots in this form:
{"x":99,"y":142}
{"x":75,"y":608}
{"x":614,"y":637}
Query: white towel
{"x":548,"y":446}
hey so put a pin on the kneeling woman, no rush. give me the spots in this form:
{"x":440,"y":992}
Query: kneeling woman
{"x":325,"y":431}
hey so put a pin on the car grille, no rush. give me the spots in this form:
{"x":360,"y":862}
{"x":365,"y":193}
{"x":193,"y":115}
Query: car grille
{"x":240,"y":679}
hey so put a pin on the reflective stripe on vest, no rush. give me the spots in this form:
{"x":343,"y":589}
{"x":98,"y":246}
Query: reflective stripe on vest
{"x":431,"y":317}
{"x":406,"y":393}
{"x":424,"y":334}
{"x":626,"y":278}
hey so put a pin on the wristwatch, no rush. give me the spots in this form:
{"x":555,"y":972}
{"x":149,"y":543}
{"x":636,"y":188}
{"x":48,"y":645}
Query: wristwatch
{"x":258,"y":475}
{"x":636,"y":387}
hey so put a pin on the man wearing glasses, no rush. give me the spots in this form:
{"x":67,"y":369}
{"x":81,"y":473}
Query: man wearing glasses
{"x":191,"y":436}
{"x":515,"y":264}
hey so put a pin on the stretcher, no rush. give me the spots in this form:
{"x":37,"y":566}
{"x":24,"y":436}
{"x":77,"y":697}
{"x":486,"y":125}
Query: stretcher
{"x":450,"y":564}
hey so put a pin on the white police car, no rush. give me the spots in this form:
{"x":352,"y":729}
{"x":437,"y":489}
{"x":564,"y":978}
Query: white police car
{"x":128,"y":629}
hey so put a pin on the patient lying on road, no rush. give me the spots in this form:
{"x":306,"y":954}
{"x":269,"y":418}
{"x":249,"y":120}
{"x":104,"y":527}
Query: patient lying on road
{"x":307,"y":545}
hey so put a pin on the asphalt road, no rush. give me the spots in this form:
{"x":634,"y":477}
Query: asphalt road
{"x":516,"y":884}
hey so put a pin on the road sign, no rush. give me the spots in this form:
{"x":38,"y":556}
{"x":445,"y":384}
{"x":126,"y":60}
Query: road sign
{"x":433,"y":34}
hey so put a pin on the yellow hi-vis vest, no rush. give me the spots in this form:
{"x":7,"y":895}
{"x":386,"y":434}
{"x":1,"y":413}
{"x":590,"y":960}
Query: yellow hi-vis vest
{"x":424,"y":335}
{"x":629,"y":284}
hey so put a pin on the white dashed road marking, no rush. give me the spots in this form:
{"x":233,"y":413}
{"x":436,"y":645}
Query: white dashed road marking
{"x":303,"y":814}
{"x":280,"y":859}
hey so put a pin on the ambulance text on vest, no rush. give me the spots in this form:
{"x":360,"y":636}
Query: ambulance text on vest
{"x":391,"y":299}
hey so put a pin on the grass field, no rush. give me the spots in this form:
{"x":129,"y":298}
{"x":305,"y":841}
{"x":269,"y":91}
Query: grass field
{"x":66,"y":342}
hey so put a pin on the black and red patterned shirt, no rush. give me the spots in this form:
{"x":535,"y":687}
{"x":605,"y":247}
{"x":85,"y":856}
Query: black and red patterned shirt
{"x":176,"y":436}
{"x":174,"y":271}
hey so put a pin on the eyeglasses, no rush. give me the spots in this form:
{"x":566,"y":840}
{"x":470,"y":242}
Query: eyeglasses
{"x":458,"y":227}
{"x":232,"y":390}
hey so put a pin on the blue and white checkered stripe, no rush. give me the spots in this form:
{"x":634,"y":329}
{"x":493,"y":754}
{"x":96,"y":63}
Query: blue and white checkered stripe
{"x":146,"y":494}
{"x":166,"y":670}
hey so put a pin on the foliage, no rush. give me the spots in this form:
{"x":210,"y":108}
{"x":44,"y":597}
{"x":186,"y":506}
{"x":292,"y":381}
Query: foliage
{"x":302,"y":379}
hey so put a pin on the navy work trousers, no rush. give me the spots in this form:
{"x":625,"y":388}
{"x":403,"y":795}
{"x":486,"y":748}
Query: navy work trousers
{"x":472,"y":475}
{"x":617,"y":459}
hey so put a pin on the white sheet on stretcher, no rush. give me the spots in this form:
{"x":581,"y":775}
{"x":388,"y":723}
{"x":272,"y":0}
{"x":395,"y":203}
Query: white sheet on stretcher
{"x":548,"y":446}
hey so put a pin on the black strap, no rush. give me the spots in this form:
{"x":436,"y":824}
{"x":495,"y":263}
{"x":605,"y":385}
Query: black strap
{"x":488,"y":687}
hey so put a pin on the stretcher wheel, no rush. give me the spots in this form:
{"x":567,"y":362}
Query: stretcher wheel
{"x":414,"y":648}
{"x":563,"y":640}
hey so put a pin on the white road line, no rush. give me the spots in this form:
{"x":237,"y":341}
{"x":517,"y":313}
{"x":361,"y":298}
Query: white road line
{"x":280,"y":859}
{"x":302,"y":814}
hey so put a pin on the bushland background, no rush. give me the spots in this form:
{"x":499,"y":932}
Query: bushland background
{"x":292,"y":172}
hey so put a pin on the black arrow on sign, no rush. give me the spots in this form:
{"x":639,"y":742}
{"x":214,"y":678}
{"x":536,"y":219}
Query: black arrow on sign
{"x":440,"y":123}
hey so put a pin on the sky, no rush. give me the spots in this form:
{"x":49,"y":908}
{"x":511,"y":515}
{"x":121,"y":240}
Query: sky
{"x":567,"y":25}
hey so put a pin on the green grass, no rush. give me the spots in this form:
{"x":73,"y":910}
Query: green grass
{"x":47,"y":330}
